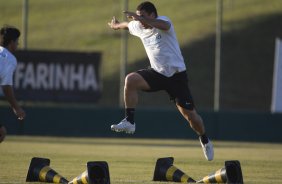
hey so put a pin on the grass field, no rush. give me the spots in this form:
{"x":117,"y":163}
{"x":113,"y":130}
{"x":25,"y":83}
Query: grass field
{"x":133,"y":160}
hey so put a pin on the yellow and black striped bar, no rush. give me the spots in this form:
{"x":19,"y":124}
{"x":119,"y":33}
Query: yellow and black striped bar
{"x":81,"y":179}
{"x":97,"y":173}
{"x":46,"y":174}
{"x":230,"y":174}
{"x":40,"y":170}
{"x":216,"y":177}
{"x":176,"y":175}
{"x":165,"y":171}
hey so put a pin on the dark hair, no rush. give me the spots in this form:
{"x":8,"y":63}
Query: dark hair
{"x":148,"y":7}
{"x":8,"y":34}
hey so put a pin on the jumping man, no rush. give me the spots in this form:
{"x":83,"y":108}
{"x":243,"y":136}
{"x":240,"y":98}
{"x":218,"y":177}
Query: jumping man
{"x":167,"y":72}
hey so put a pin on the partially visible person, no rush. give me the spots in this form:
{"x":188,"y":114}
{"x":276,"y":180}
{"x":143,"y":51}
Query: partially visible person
{"x":2,"y":133}
{"x":9,"y":40}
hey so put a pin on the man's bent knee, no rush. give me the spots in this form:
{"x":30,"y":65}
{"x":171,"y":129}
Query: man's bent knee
{"x":131,"y":79}
{"x":134,"y":80}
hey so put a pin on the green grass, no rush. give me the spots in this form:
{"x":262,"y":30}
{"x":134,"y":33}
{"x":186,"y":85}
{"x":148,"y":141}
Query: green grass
{"x":133,"y":160}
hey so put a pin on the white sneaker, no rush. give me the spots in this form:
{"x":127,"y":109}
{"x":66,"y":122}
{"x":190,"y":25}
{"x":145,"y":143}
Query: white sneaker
{"x":208,"y":150}
{"x":124,"y":126}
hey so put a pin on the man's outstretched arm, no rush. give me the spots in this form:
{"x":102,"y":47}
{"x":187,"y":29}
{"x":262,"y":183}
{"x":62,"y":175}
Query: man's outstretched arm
{"x":115,"y":24}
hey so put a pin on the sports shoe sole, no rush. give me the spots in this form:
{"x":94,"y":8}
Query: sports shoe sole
{"x":126,"y":131}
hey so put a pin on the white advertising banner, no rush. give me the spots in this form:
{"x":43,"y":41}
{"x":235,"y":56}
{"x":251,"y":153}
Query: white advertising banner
{"x":276,"y":103}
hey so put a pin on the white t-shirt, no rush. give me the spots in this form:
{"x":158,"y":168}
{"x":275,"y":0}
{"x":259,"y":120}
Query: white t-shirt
{"x":161,"y":47}
{"x":8,"y":64}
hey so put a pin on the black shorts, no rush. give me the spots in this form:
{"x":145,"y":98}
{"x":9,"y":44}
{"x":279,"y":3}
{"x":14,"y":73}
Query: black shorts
{"x":176,"y":86}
